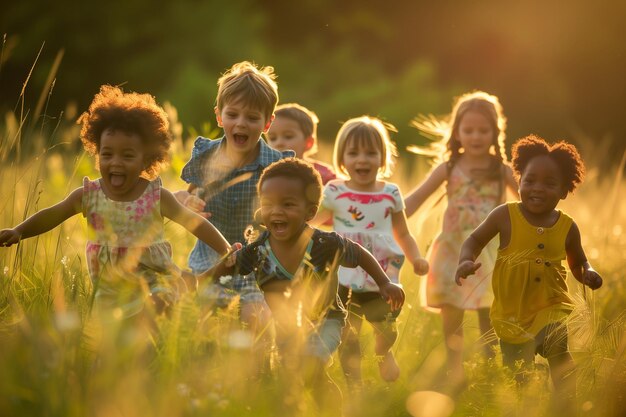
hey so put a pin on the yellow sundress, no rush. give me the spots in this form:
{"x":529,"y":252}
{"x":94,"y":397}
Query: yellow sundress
{"x":529,"y":285}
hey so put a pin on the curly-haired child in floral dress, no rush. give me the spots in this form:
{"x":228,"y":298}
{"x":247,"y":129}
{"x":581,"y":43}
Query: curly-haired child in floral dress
{"x":129,"y":260}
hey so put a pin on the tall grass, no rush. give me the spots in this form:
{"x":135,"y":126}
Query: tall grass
{"x":58,"y":360}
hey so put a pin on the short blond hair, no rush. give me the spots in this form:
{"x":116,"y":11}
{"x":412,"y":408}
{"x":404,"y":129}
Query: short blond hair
{"x":367,"y":131}
{"x":255,"y":86}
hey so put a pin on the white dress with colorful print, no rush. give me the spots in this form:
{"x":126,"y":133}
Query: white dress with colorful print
{"x":127,"y":255}
{"x":469,"y":203}
{"x":365,"y":218}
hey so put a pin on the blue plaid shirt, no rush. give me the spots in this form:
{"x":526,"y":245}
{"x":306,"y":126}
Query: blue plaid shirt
{"x":231,"y":198}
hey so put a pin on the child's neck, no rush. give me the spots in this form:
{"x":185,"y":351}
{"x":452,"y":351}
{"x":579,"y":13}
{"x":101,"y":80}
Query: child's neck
{"x":290,"y":252}
{"x":237,"y":159}
{"x":475,"y":161}
{"x":368,"y":188}
{"x":547,"y":219}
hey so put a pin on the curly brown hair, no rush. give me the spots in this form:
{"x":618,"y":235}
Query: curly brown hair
{"x":296,"y":168}
{"x":564,"y":154}
{"x":131,"y":113}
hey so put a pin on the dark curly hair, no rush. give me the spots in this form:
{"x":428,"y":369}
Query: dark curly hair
{"x":564,"y":154}
{"x":299,"y":169}
{"x":130,"y":113}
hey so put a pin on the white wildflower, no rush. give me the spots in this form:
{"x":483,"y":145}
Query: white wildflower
{"x":225,"y":279}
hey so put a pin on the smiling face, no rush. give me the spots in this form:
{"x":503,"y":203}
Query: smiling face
{"x":475,"y":134}
{"x":284,"y":208}
{"x":362,"y":161}
{"x":242,"y":127}
{"x":285,"y":133}
{"x":122,"y":160}
{"x":541,"y":186}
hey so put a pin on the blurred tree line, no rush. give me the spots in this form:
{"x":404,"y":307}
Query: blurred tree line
{"x":557,"y":66}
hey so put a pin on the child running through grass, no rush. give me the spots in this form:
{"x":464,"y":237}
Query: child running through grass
{"x":296,"y":268}
{"x":476,"y":174}
{"x":222,"y":175}
{"x":369,"y":211}
{"x":531,"y":300}
{"x":129,"y":260}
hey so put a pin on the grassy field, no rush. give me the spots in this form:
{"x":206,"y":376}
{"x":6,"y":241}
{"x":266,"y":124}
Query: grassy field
{"x":57,"y":361}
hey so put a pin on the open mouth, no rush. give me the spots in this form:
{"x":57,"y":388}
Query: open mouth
{"x":117,"y":180}
{"x":279,"y":227}
{"x":363,"y":171}
{"x":240,"y":139}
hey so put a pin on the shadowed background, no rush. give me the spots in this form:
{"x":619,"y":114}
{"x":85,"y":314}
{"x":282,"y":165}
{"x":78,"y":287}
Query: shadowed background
{"x":557,"y":66}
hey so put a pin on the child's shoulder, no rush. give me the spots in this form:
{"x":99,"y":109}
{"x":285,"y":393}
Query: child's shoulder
{"x":204,"y":145}
{"x":268,"y":155}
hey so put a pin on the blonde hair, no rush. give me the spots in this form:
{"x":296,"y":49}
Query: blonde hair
{"x":253,"y":85}
{"x":369,"y":132}
{"x":447,"y":147}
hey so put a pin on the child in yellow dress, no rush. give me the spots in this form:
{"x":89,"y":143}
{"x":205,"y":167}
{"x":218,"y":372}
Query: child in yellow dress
{"x":531,"y":301}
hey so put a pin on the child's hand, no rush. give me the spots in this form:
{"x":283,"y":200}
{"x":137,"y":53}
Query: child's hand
{"x":420,"y":266}
{"x":465,"y":269}
{"x":592,"y":279}
{"x":192,"y":202}
{"x":9,"y":237}
{"x":231,"y":256}
{"x":393,"y":294}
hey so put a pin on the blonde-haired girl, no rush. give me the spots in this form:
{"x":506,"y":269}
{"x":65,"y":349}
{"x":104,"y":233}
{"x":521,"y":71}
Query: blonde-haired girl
{"x":474,"y":167}
{"x":370,"y":211}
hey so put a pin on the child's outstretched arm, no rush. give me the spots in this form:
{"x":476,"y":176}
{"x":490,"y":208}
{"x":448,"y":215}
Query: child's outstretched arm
{"x":44,"y":220}
{"x":417,"y":197}
{"x":392,"y":293}
{"x":407,"y":243}
{"x":479,"y":238}
{"x":577,"y":260}
{"x":196,"y":224}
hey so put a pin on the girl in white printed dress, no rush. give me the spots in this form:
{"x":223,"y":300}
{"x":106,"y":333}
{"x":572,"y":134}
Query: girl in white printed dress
{"x":369,"y":211}
{"x":128,"y":258}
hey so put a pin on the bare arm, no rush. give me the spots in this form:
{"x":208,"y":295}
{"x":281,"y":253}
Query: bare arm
{"x":577,"y":260}
{"x":392,"y":293}
{"x":407,"y":243}
{"x":474,"y":244}
{"x":44,"y":220}
{"x":196,"y":224}
{"x":417,"y":197}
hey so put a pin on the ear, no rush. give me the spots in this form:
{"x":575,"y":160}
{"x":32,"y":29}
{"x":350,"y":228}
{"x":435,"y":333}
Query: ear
{"x":218,"y":117}
{"x":309,"y":143}
{"x":269,"y":123}
{"x":311,"y":211}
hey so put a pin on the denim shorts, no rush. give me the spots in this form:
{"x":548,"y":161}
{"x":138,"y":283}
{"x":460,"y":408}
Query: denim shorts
{"x":325,"y":339}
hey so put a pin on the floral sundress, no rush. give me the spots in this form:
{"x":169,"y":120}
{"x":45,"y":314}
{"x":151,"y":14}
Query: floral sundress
{"x":127,"y":256}
{"x":469,"y":203}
